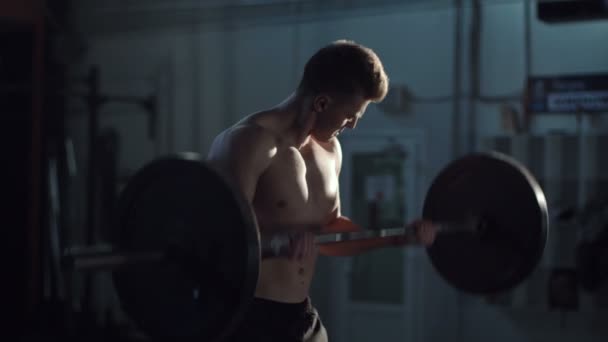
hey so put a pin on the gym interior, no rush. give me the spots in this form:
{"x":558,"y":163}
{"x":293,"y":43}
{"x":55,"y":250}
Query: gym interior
{"x":94,"y":91}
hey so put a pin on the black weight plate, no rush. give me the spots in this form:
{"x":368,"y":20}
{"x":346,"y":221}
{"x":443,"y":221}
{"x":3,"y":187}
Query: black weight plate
{"x":510,"y":203}
{"x":181,"y":206}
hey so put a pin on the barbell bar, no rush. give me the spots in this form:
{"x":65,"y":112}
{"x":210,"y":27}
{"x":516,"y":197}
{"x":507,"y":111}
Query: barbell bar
{"x":277,"y":245}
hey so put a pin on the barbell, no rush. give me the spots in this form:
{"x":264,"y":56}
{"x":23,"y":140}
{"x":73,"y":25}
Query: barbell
{"x":186,"y":264}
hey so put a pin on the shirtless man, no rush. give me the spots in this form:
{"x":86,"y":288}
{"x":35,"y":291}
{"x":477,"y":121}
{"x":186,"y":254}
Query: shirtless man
{"x":286,"y":161}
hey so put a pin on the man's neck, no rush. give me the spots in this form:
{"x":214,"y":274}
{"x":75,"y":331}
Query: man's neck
{"x":298,"y":118}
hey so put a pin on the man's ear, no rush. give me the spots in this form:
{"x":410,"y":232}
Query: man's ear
{"x":320,"y":103}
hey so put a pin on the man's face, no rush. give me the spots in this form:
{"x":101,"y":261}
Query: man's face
{"x":334,"y":114}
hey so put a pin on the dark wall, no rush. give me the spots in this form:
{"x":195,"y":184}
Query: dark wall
{"x":16,"y":145}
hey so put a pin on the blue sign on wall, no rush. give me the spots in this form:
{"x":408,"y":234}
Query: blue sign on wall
{"x":568,"y":94}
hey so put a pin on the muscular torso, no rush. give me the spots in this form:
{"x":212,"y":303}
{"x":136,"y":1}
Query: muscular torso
{"x":298,"y":187}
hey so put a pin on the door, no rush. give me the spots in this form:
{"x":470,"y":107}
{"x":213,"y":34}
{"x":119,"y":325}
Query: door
{"x":374,"y":294}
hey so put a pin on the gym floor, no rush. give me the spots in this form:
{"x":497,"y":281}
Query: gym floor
{"x":93,"y":91}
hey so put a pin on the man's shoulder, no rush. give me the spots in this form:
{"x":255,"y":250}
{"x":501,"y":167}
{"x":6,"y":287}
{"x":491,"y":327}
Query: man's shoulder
{"x":251,"y":135}
{"x":244,"y":147}
{"x":242,"y":139}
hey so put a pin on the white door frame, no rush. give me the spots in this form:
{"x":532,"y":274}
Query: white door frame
{"x":342,"y":308}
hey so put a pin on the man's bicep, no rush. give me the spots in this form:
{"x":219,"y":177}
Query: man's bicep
{"x":338,"y":156}
{"x":338,"y":164}
{"x":338,"y":210}
{"x":249,"y":156}
{"x":338,"y":223}
{"x":245,"y":176}
{"x":235,"y":169}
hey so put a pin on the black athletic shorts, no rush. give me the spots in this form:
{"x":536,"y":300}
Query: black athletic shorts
{"x":268,"y":320}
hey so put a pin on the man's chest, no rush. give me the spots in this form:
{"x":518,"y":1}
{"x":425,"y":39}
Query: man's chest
{"x":304,"y":179}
